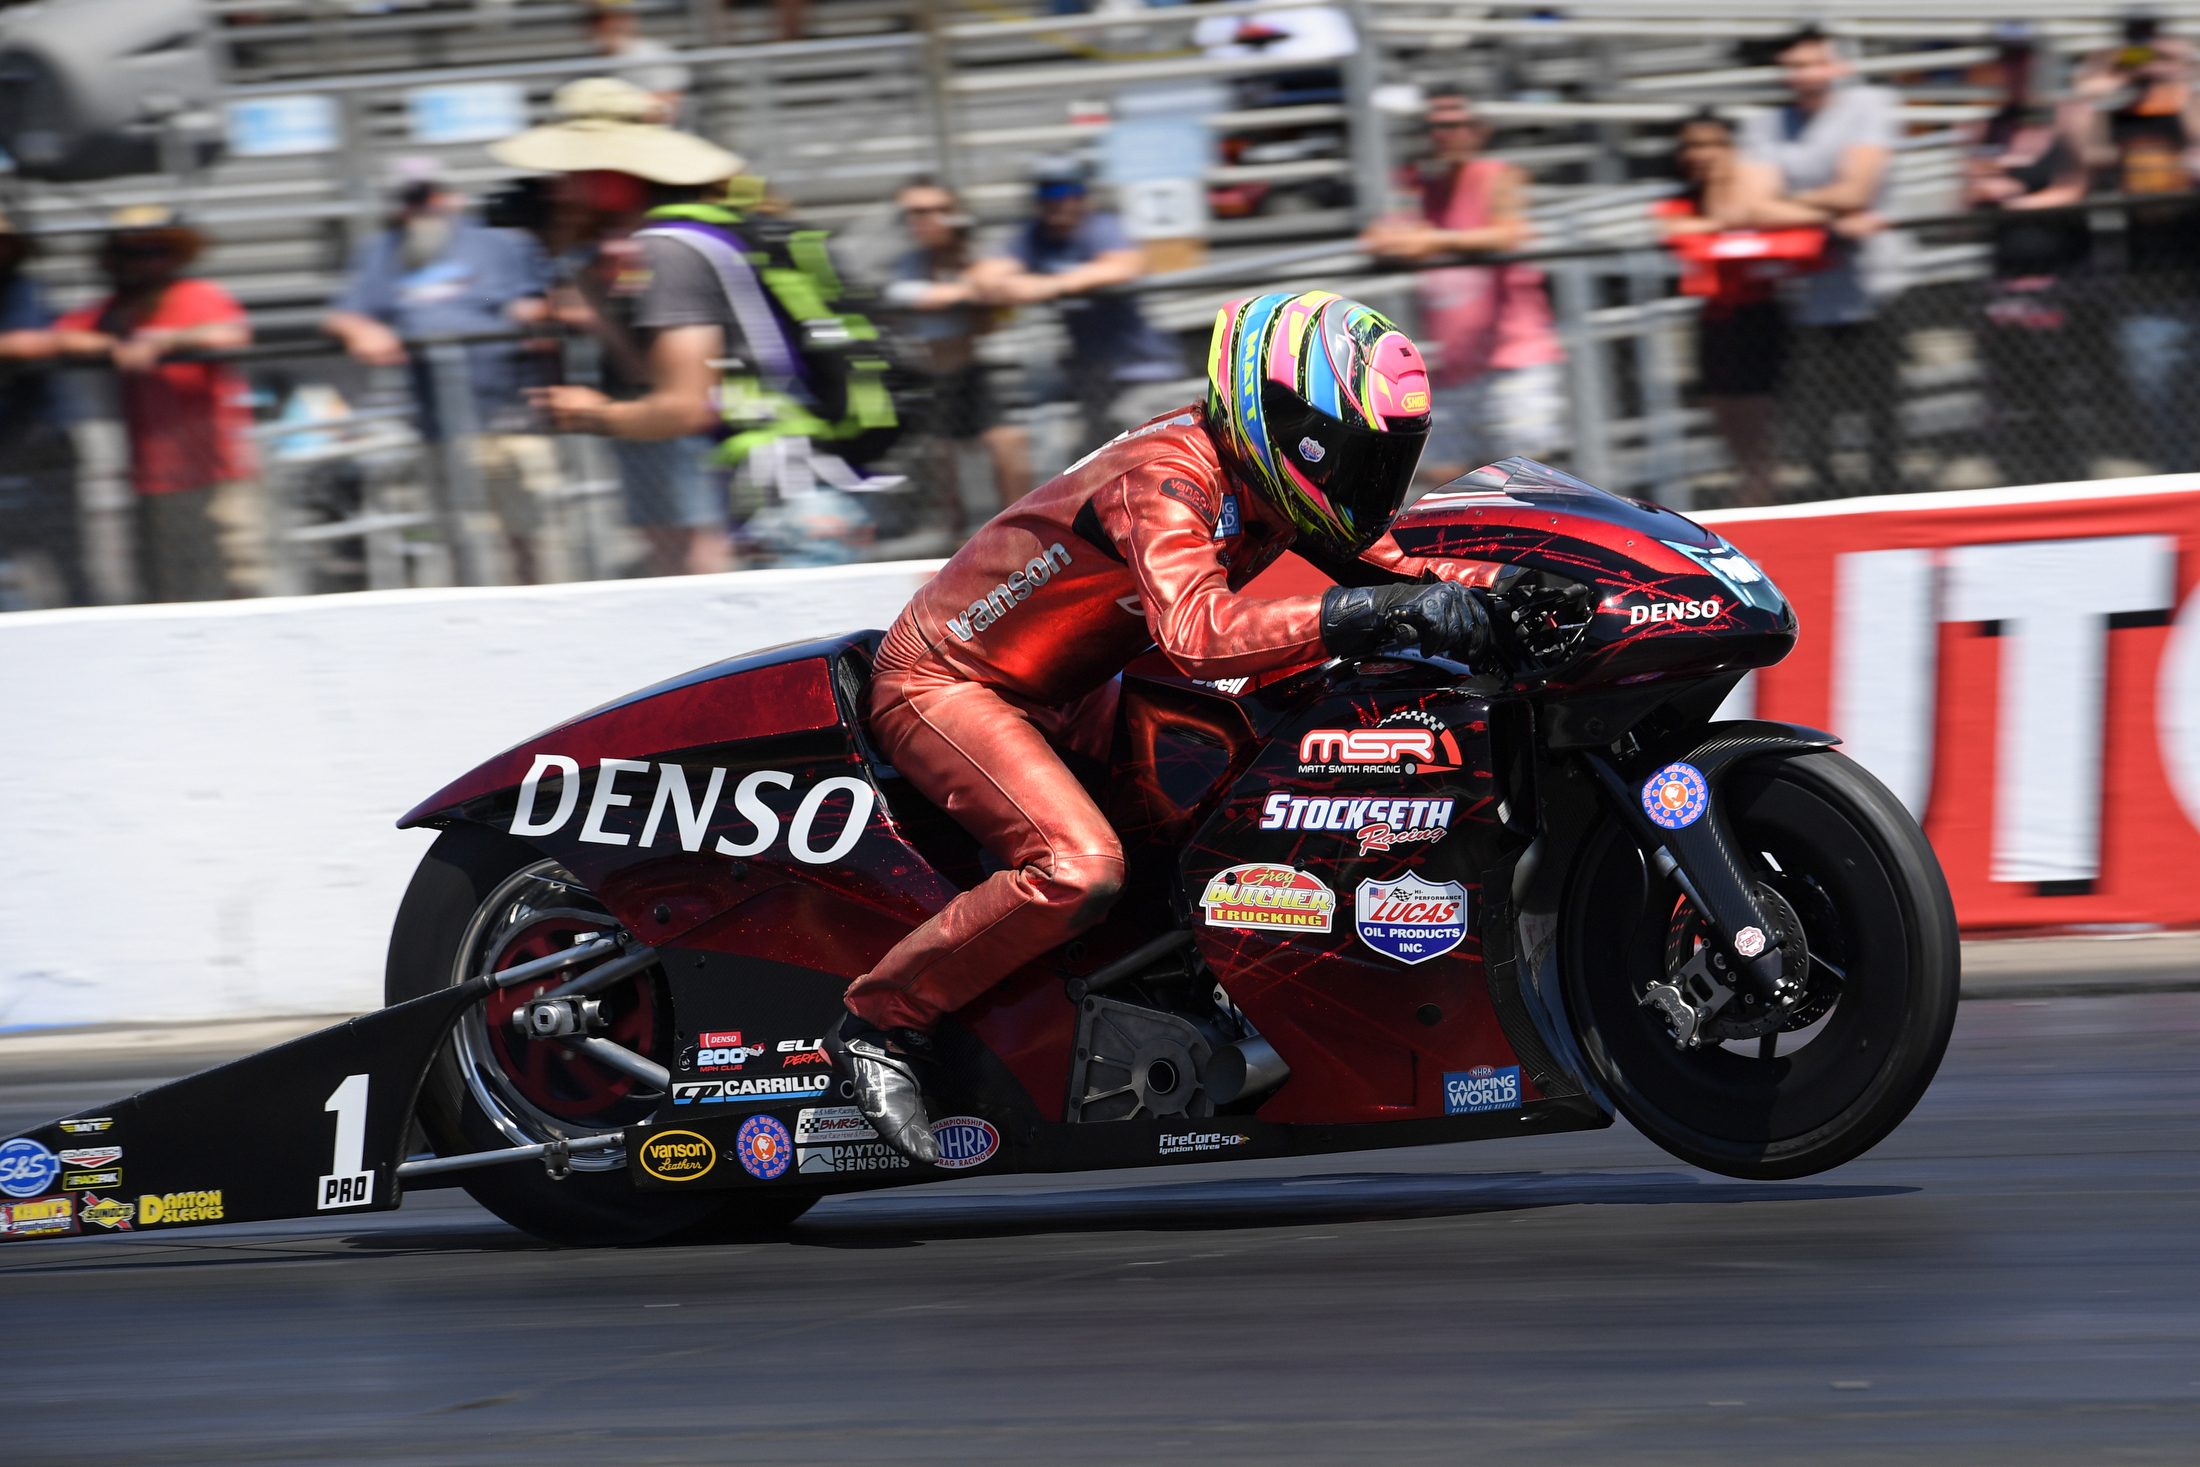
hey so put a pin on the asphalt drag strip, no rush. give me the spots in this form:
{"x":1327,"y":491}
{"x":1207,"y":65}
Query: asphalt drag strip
{"x":2010,"y":1278}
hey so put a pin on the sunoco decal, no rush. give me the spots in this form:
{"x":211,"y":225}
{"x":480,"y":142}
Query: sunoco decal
{"x":965,"y":1141}
{"x":1481,"y":1088}
{"x":764,"y":1147}
{"x":1409,"y":919}
{"x":1676,"y":796}
{"x":678,"y":1156}
{"x":109,"y":1212}
{"x":26,"y":1167}
{"x":692,"y":817}
{"x":1263,"y":898}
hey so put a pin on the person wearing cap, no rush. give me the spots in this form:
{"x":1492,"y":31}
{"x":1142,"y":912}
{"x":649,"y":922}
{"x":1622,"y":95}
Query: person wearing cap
{"x":38,"y":510}
{"x":436,"y":271}
{"x":199,"y":521}
{"x":1066,"y":251}
{"x":657,"y":307}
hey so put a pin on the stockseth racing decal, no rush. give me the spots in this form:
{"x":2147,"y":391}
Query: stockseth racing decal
{"x":1410,"y":919}
{"x":1378,"y":824}
{"x":26,"y":1168}
{"x":1262,"y":898}
{"x":1481,"y":1088}
{"x":690,"y":816}
{"x":1405,"y":742}
{"x":1676,"y":796}
{"x":965,"y":1141}
{"x":1009,"y":594}
{"x":764,"y":1147}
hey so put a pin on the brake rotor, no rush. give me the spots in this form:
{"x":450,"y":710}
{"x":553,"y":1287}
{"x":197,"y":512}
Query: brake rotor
{"x":1745,"y":1015}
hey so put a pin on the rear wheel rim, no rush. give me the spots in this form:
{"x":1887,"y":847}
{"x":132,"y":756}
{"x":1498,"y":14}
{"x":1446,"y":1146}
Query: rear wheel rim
{"x":535,"y":1091}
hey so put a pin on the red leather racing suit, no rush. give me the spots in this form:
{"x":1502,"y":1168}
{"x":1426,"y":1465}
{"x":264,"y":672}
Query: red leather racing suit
{"x":1012,"y":650}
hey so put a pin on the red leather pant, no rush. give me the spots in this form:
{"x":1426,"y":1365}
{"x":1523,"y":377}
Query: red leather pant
{"x":990,"y":762}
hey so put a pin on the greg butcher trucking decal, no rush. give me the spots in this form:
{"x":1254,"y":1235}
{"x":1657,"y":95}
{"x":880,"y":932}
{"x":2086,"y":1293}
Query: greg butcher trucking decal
{"x":1262,"y":898}
{"x":692,"y":817}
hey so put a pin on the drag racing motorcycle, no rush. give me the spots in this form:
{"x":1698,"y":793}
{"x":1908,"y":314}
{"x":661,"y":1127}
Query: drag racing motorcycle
{"x":1386,"y":902}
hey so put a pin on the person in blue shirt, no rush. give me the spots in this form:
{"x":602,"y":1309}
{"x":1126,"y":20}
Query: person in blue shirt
{"x":1063,"y":253}
{"x":38,"y":509}
{"x":437,"y":271}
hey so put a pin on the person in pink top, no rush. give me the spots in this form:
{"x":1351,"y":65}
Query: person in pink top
{"x":1497,"y":361}
{"x":191,"y":459}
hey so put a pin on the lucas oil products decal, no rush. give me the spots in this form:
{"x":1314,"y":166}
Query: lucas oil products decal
{"x":1676,"y":796}
{"x":1259,"y":897}
{"x":965,"y":1141}
{"x":765,"y":1148}
{"x":1482,"y":1088}
{"x":1410,"y":919}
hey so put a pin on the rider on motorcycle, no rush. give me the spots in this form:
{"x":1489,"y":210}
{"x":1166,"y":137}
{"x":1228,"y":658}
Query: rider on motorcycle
{"x":1316,"y":412}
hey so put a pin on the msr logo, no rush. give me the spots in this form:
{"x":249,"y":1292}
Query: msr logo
{"x":1367,"y":746}
{"x":1004,"y":598}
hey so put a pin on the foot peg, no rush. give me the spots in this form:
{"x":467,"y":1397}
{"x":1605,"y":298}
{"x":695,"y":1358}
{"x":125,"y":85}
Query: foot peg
{"x":888,"y":1091}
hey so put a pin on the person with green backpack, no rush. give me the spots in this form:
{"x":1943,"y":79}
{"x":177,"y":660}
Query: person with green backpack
{"x":729,"y":322}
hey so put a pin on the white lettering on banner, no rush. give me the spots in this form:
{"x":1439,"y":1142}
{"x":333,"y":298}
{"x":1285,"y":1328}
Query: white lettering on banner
{"x":2053,"y":598}
{"x":1367,"y":745}
{"x":1674,"y":611}
{"x":2177,"y":708}
{"x":1004,"y":598}
{"x":569,"y":795}
{"x":693,"y":817}
{"x":1886,"y":645}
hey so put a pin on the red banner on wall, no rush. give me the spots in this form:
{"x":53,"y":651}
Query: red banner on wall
{"x":2021,"y":667}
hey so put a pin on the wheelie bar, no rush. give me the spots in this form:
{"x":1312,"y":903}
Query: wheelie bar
{"x":1702,"y":857}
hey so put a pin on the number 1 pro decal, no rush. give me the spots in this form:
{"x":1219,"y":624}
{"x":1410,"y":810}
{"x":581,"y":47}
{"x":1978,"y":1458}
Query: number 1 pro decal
{"x":349,"y":1183}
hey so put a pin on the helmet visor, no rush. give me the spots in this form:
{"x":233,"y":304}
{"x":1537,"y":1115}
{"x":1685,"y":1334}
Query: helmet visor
{"x":1362,"y":472}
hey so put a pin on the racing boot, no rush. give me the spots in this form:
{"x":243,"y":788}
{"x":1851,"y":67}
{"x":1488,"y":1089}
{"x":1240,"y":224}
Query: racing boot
{"x":888,"y":1092}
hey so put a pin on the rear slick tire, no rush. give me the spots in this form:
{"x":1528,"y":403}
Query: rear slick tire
{"x":1873,"y":904}
{"x":440,"y":924}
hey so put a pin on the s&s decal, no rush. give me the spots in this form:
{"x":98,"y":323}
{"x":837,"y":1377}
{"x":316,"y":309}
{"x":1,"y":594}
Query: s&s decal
{"x":26,"y":1168}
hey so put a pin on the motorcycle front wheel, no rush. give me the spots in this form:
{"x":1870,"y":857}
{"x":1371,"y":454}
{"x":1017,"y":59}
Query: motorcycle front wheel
{"x":1854,"y":872}
{"x":484,"y":902}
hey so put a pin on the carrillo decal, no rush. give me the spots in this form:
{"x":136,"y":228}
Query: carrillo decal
{"x":675,"y":810}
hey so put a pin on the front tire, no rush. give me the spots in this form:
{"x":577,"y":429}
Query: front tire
{"x":1845,"y":857}
{"x":483,"y":899}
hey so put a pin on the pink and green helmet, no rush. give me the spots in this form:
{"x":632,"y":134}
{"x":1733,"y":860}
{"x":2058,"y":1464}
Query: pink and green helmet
{"x":1321,"y":405}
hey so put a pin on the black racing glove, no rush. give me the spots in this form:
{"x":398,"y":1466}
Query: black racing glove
{"x":1446,"y":619}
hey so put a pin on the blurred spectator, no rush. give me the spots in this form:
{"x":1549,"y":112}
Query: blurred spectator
{"x":2144,"y":131}
{"x":38,"y":509}
{"x":932,"y":283}
{"x":1741,"y":333}
{"x":2030,"y":156}
{"x":660,"y":295}
{"x":1495,"y":357}
{"x":1832,"y":145}
{"x":1062,"y":254}
{"x":614,"y":29}
{"x":435,"y":271}
{"x":200,"y":525}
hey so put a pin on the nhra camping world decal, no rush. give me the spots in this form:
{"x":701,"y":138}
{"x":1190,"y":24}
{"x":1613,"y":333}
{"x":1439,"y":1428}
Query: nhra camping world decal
{"x":31,"y":1219}
{"x":1377,"y":824}
{"x":692,"y":819}
{"x":1260,"y":897}
{"x":1409,"y":919}
{"x":1406,"y":742}
{"x":678,"y":1156}
{"x":764,"y":1147}
{"x":26,"y":1168}
{"x":1481,"y":1088}
{"x":965,"y":1141}
{"x":1676,"y":796}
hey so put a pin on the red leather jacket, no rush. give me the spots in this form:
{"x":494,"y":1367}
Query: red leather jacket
{"x":1146,"y":540}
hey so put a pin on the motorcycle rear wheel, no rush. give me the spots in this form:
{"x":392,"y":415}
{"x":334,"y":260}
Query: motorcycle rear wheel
{"x":1874,"y":907}
{"x":480,"y":897}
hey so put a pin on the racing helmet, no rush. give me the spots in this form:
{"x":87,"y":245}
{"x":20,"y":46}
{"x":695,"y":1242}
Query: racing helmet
{"x":1321,"y":406}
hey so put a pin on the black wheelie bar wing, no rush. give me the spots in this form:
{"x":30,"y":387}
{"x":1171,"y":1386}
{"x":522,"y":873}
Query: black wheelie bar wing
{"x":307,"y":1128}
